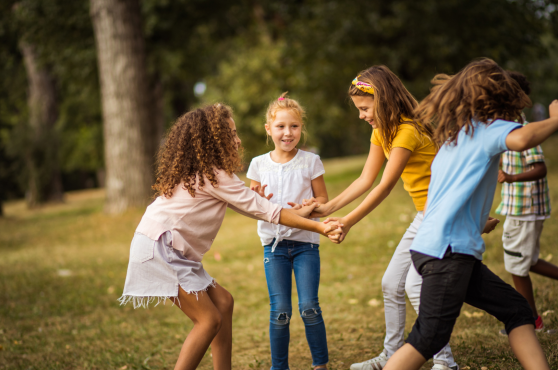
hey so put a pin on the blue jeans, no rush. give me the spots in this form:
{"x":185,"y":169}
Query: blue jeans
{"x":304,"y":259}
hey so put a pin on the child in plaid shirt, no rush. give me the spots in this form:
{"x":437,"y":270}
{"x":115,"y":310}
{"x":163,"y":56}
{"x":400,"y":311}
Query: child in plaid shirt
{"x":526,"y":204}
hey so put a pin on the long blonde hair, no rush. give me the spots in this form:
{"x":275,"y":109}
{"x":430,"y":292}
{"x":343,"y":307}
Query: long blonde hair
{"x":482,"y":91}
{"x":392,"y":103}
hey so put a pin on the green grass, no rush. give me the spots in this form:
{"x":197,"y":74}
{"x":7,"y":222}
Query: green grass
{"x":49,"y":321}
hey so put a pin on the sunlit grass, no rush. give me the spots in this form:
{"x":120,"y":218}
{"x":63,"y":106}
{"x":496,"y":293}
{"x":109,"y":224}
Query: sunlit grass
{"x":62,"y":268}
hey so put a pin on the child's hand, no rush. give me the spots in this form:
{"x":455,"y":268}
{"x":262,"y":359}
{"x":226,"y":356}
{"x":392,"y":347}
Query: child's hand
{"x":333,"y":232}
{"x":295,"y":206}
{"x":321,"y":211}
{"x":306,"y":202}
{"x":303,"y":211}
{"x":490,"y":225}
{"x":340,"y":223}
{"x":504,"y":177}
{"x":553,"y":109}
{"x":261,"y":191}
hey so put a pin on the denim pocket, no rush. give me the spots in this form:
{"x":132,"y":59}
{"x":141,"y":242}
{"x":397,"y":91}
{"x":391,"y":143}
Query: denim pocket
{"x":142,"y":249}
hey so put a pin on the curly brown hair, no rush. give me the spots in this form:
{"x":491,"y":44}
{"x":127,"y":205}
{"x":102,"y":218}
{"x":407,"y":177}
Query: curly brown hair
{"x":392,"y":103}
{"x":482,"y":91}
{"x":198,"y":144}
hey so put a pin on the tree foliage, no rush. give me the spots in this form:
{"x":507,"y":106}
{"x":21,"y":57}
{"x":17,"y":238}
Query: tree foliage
{"x":248,"y":52}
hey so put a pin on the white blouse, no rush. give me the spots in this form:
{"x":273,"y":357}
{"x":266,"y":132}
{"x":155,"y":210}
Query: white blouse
{"x":289,"y":182}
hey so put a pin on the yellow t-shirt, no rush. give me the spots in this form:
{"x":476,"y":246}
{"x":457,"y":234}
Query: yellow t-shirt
{"x":416,"y":175}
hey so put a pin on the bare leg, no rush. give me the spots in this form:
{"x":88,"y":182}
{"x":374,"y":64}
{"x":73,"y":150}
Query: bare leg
{"x":207,"y":322}
{"x":524,"y":286}
{"x":406,"y":357}
{"x":527,"y":349}
{"x":221,"y":347}
{"x":545,"y":269}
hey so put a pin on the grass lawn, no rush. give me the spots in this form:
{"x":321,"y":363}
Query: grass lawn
{"x":62,"y":268}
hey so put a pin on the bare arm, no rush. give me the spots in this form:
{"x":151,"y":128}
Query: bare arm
{"x":536,"y":173}
{"x":319,"y":189}
{"x":298,"y":218}
{"x":535,"y":133}
{"x":319,"y":192}
{"x":397,"y":161}
{"x":295,"y":218}
{"x":365,"y":181}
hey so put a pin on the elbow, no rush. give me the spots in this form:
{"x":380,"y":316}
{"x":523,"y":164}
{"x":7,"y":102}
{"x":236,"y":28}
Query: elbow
{"x":385,"y":189}
{"x":523,"y":142}
{"x":543,"y":171}
{"x":365,"y":182}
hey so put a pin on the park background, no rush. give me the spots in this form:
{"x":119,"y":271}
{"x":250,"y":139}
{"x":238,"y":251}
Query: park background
{"x":87,"y":90}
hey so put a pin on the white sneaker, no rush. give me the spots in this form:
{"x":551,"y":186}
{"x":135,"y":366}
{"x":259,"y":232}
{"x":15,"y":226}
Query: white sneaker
{"x":377,"y":363}
{"x":444,"y":367}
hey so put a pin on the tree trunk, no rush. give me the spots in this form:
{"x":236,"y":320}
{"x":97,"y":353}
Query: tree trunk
{"x":44,"y":178}
{"x":158,"y":126}
{"x":127,"y":103}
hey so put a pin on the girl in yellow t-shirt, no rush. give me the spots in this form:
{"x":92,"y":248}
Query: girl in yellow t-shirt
{"x":387,"y":106}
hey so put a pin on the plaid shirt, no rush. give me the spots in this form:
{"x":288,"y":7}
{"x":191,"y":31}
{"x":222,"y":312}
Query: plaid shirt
{"x":524,"y":198}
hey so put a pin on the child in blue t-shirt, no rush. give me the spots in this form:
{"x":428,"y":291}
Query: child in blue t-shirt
{"x":474,"y":113}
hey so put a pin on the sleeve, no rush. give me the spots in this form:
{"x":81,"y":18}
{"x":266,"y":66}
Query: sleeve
{"x":495,"y":135}
{"x":317,"y":167}
{"x":533,"y":155}
{"x":253,"y":173}
{"x":241,"y":199}
{"x":375,"y":139}
{"x":407,"y":137}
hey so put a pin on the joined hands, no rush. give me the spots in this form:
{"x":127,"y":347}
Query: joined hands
{"x":309,"y":209}
{"x":333,"y":230}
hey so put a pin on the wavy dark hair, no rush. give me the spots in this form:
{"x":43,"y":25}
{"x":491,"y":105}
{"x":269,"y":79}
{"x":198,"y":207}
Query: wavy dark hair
{"x":392,"y":101}
{"x":198,"y":144}
{"x":482,"y":91}
{"x":521,"y":80}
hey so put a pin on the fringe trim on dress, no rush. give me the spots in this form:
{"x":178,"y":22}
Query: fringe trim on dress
{"x":144,"y":301}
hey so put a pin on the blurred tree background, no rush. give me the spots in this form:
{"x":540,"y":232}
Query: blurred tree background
{"x":59,"y":122}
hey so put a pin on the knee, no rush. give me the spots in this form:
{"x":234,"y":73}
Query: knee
{"x":521,"y":314}
{"x":389,"y":286}
{"x":414,"y":295}
{"x":428,"y":342}
{"x":280,"y":317}
{"x":225,"y":303}
{"x":311,"y":313}
{"x":211,"y":323}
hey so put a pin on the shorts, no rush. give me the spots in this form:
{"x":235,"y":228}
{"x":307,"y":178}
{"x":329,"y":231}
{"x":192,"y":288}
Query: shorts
{"x":156,"y":270}
{"x":521,"y":245}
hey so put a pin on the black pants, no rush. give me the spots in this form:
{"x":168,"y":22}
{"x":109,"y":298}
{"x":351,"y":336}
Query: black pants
{"x":449,"y":282}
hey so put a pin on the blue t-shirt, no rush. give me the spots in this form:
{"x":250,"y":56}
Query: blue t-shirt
{"x":461,"y":191}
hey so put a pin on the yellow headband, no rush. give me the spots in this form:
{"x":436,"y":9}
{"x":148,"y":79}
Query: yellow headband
{"x":363,"y":86}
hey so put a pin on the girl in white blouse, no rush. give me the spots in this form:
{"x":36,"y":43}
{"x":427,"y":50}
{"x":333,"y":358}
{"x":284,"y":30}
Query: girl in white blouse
{"x":290,"y":176}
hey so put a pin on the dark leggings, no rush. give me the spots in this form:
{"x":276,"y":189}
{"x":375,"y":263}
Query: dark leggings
{"x":449,"y":282}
